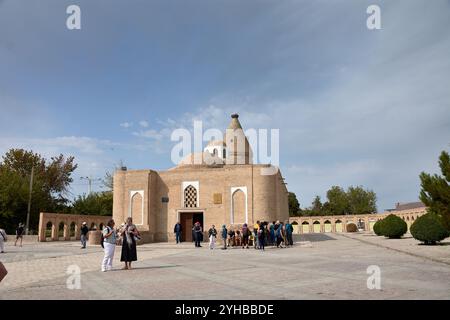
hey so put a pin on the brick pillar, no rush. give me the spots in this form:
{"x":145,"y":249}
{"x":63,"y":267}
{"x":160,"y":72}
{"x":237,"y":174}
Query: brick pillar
{"x":66,"y":232}
{"x":54,"y":231}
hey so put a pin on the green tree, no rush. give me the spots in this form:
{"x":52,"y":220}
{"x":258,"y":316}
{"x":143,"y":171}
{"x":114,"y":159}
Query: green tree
{"x":317,"y":207}
{"x":361,"y":201}
{"x":435,"y":193}
{"x":50,"y":186}
{"x":294,"y":206}
{"x":337,"y":201}
{"x":96,"y":203}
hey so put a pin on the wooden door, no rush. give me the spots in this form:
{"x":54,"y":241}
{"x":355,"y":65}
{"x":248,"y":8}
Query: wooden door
{"x":186,"y":220}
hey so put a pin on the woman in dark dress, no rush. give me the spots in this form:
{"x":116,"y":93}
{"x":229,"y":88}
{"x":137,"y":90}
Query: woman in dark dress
{"x":129,"y":235}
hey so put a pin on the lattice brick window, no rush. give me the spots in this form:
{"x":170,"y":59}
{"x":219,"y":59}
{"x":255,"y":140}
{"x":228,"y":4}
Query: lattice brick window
{"x":190,"y":197}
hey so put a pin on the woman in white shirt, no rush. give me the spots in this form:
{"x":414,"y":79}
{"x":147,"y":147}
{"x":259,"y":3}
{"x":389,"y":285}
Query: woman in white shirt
{"x":109,"y":245}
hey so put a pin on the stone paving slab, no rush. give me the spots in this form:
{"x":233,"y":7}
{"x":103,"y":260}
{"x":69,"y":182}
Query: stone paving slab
{"x":408,"y":245}
{"x":331,"y":267}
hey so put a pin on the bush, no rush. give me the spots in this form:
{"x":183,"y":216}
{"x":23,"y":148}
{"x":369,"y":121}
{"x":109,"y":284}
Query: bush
{"x":377,"y":227}
{"x":393,"y":227}
{"x":429,"y":229}
{"x":351,"y":227}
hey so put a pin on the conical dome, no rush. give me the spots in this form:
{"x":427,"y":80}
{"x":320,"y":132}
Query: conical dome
{"x":235,"y":124}
{"x":239,"y":151}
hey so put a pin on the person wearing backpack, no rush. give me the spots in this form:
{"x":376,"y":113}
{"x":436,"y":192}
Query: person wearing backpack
{"x":289,"y":231}
{"x":84,"y":231}
{"x":245,"y":236}
{"x":279,"y":234}
{"x":261,"y":236}
{"x":272,"y":233}
{"x":177,"y":229}
{"x":19,"y":234}
{"x":231,"y":235}
{"x":3,"y":239}
{"x":224,"y":236}
{"x":109,"y":245}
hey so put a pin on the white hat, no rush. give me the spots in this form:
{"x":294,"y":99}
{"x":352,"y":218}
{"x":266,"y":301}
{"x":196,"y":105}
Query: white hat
{"x":84,"y":223}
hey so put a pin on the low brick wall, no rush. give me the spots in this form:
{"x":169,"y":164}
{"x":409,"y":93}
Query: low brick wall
{"x":71,"y":224}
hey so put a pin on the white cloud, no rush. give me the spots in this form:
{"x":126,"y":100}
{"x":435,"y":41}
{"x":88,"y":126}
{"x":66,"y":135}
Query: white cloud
{"x":143,"y":124}
{"x":150,"y":134}
{"x":126,"y":125}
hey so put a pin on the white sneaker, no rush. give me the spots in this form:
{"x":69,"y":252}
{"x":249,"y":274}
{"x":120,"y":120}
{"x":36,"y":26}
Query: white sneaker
{"x":109,"y":268}
{"x":103,"y":270}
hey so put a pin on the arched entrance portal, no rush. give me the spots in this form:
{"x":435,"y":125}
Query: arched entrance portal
{"x":316,"y":227}
{"x":49,"y":231}
{"x":61,"y":230}
{"x":72,"y":231}
{"x":295,"y":226}
{"x":305,"y":227}
{"x":327,"y":226}
{"x":239,"y":207}
{"x":338,"y":225}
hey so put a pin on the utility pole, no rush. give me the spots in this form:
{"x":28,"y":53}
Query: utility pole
{"x":90,"y":179}
{"x":29,"y":201}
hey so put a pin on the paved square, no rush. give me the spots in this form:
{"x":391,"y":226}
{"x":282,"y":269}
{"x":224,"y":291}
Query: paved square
{"x":332,"y":266}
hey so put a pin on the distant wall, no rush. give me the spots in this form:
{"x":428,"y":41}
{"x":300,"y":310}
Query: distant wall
{"x":319,"y":224}
{"x":65,"y":227}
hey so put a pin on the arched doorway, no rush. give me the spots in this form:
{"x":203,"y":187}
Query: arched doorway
{"x":338,"y":225}
{"x":72,"y":231}
{"x":295,"y":227}
{"x":316,"y":226}
{"x":371,"y":224}
{"x":61,"y":230}
{"x":48,"y":231}
{"x":305,"y":227}
{"x":137,"y":208}
{"x":327,"y":226}
{"x":239,"y":208}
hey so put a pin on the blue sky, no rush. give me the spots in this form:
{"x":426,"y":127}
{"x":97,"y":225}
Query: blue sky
{"x":354,"y":106}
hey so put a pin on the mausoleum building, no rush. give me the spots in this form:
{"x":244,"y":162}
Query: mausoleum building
{"x":220,"y":185}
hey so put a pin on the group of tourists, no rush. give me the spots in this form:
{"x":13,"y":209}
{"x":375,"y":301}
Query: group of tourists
{"x":126,"y":235}
{"x":262,"y":234}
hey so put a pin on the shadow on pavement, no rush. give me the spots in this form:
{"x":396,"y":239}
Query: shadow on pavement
{"x":313,"y":237}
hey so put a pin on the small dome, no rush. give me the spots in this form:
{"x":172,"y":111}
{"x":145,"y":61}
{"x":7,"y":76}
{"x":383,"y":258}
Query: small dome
{"x":200,"y":158}
{"x":214,"y":143}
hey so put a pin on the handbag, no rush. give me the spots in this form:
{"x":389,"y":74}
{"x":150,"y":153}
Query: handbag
{"x":3,"y":271}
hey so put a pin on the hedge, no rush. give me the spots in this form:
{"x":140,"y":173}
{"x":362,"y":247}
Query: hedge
{"x":377,"y":227}
{"x":393,"y":227}
{"x":429,"y":229}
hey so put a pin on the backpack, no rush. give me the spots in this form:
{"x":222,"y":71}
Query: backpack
{"x":3,"y":235}
{"x":279,"y":231}
{"x":102,"y":239}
